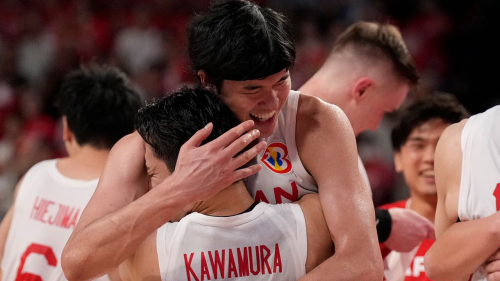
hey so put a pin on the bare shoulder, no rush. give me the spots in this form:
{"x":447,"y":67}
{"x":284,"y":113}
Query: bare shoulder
{"x":448,"y":173}
{"x":314,"y":110}
{"x":314,"y":116}
{"x":448,"y":158}
{"x":128,"y":140}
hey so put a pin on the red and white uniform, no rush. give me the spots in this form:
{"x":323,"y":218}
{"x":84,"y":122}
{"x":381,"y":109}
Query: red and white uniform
{"x":405,"y":266}
{"x":46,"y":210}
{"x":283,"y":178}
{"x":480,"y":183}
{"x":267,"y":243}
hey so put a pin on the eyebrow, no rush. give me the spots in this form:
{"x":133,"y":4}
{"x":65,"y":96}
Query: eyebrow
{"x":416,"y":139}
{"x":255,"y":87}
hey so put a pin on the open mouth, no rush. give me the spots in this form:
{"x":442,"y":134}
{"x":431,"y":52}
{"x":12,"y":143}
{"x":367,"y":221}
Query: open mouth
{"x":262,"y":117}
{"x":428,"y":176}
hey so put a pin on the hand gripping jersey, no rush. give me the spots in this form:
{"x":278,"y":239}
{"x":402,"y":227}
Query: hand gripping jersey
{"x":283,"y":178}
{"x":46,"y":210}
{"x":267,"y":243}
{"x":480,"y":183}
{"x":405,"y":266}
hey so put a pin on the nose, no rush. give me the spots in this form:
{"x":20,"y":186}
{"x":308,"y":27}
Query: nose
{"x":429,"y":153}
{"x":270,"y":99}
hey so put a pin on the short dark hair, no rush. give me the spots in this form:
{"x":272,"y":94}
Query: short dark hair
{"x":167,"y":123}
{"x":99,"y":105}
{"x":239,"y":40}
{"x":376,"y":40}
{"x":439,"y":105}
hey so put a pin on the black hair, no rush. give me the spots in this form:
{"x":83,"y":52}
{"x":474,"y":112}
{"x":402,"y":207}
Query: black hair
{"x":167,"y":123}
{"x":239,"y":40}
{"x":99,"y":105}
{"x":442,"y":106}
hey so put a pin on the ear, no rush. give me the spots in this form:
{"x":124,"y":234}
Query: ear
{"x":203,"y":76}
{"x":398,"y":162}
{"x":67,"y":134}
{"x":359,"y":89}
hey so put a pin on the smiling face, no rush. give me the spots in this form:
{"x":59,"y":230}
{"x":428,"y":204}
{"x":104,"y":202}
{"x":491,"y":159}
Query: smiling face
{"x":259,"y":100}
{"x":416,"y":157}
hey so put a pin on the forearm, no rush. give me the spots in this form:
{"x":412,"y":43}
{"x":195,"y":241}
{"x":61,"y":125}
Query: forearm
{"x":104,"y":244}
{"x":347,"y":267}
{"x":357,"y":253}
{"x":462,"y":249}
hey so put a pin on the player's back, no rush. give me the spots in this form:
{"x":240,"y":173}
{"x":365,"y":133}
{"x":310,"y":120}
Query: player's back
{"x":46,"y":210}
{"x":480,"y":182}
{"x":266,"y":243}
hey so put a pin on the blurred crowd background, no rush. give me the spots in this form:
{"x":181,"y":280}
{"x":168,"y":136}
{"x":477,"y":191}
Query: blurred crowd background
{"x":453,"y":43}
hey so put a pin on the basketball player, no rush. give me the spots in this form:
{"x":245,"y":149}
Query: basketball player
{"x":467,"y":177}
{"x":380,"y":73}
{"x":240,"y":236}
{"x":245,"y":52}
{"x":414,"y":139}
{"x":98,"y":107}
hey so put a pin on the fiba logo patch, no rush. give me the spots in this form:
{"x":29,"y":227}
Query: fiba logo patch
{"x":276,"y":158}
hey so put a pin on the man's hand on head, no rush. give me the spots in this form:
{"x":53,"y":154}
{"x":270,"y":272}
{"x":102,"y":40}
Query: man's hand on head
{"x":202,"y":171}
{"x":409,"y":229}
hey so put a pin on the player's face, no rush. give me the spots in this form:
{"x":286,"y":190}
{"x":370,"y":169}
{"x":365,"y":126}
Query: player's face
{"x":416,"y":157}
{"x":386,"y":99}
{"x":156,"y":168}
{"x":158,"y":171}
{"x":259,"y":100}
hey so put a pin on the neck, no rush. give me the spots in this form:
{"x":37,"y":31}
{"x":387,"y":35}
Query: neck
{"x":83,"y":163}
{"x":232,"y":200}
{"x":424,"y":206}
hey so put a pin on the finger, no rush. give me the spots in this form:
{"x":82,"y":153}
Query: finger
{"x":199,"y":136}
{"x":495,"y":256}
{"x":248,"y":155}
{"x":494,"y":276}
{"x":245,"y":172}
{"x":490,"y":267}
{"x":230,"y":136}
{"x":241,"y":143}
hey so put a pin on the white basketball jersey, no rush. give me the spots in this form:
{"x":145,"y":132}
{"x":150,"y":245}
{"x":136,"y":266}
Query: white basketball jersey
{"x":480,"y":183}
{"x":46,"y":210}
{"x":283,"y":178}
{"x":267,"y":243}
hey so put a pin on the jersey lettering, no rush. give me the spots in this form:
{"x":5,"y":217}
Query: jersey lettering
{"x":48,"y":212}
{"x":279,"y":193}
{"x":34,"y":248}
{"x":259,"y":259}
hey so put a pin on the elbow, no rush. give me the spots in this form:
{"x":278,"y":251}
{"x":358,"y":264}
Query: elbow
{"x":72,"y":261}
{"x":373,"y":270}
{"x":431,"y":267}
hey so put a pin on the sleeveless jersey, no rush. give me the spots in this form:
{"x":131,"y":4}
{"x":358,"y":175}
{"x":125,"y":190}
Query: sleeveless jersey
{"x":267,"y":243}
{"x":283,"y":178}
{"x":480,"y":183}
{"x":46,"y":210}
{"x":405,"y":266}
